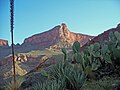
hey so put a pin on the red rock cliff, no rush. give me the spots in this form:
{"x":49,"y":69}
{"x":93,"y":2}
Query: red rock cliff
{"x":59,"y":35}
{"x":3,"y":42}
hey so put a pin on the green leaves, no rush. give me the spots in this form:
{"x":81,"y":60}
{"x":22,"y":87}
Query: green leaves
{"x":50,"y":85}
{"x":44,"y":73}
{"x":116,"y":52}
{"x":65,"y":54}
{"x":107,"y":58}
{"x":64,"y":50}
{"x":96,"y":47}
{"x":94,"y":66}
{"x":78,"y":58}
{"x":117,"y":35}
{"x":111,"y":37}
{"x":104,"y":49}
{"x":73,"y":77}
{"x":66,"y":75}
{"x":76,"y":79}
{"x":76,"y":47}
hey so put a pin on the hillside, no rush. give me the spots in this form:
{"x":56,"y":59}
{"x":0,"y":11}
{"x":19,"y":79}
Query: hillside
{"x":58,"y":37}
{"x":31,"y":58}
{"x":103,"y":36}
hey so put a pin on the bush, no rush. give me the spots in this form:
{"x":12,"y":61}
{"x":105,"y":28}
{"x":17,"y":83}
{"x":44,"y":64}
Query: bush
{"x":63,"y":76}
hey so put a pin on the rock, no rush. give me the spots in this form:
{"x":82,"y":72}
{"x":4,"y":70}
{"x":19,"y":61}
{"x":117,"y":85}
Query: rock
{"x":3,"y":42}
{"x":58,"y":37}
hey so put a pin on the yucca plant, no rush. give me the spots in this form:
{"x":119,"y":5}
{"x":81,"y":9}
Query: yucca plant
{"x":63,"y":76}
{"x":50,"y":85}
{"x":19,"y":81}
{"x":74,"y":78}
{"x":59,"y":70}
{"x":12,"y":27}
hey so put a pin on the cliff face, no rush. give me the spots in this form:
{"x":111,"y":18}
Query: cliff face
{"x":59,"y":35}
{"x":4,"y":48}
{"x":3,"y":42}
{"x":42,"y":40}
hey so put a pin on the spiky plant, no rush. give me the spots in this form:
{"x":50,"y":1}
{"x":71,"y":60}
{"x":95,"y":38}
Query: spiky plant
{"x":50,"y":85}
{"x":12,"y":27}
{"x":73,"y":77}
{"x":11,"y":86}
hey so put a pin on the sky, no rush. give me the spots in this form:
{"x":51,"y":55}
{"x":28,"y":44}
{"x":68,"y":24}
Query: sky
{"x":90,"y":17}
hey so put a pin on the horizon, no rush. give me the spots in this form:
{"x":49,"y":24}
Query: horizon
{"x":51,"y":29}
{"x":33,"y":17}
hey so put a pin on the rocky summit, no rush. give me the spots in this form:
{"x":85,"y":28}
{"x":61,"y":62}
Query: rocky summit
{"x":58,"y":37}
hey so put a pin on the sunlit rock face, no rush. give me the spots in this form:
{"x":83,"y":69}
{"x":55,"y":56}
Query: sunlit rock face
{"x":59,"y":35}
{"x":4,"y":48}
{"x":3,"y":42}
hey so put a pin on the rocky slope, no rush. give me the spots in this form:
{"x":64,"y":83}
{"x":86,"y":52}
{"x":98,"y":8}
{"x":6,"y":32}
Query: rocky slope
{"x":3,"y":42}
{"x":58,"y":37}
{"x":28,"y":62}
{"x":103,"y":36}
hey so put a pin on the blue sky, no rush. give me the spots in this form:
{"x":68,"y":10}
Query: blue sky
{"x":82,"y":16}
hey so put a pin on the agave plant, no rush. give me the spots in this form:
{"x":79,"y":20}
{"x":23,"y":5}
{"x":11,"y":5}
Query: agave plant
{"x":50,"y":85}
{"x":73,"y":77}
{"x":59,"y":70}
{"x":19,"y":81}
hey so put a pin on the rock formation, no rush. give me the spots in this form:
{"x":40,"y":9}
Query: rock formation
{"x":3,"y":42}
{"x":56,"y":38}
{"x":59,"y":35}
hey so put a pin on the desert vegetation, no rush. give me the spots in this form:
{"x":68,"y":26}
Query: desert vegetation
{"x":62,"y":61}
{"x":97,"y":66}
